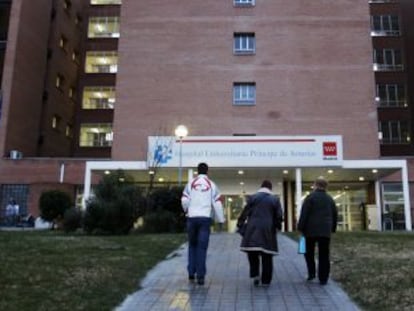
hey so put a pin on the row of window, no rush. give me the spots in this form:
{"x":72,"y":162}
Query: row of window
{"x":103,"y":97}
{"x":389,"y":94}
{"x":107,"y":61}
{"x":244,"y":93}
{"x":108,"y":27}
{"x":101,"y":134}
{"x":116,"y":2}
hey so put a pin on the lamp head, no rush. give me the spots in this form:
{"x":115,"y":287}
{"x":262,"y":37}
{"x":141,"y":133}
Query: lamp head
{"x":181,"y":131}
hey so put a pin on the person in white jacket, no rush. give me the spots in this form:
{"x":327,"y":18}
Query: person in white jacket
{"x":200,"y":195}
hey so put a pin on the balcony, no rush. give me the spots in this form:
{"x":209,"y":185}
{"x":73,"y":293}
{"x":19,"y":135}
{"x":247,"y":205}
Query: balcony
{"x":387,"y":67}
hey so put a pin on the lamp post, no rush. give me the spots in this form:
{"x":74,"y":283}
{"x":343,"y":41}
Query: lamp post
{"x":181,"y":131}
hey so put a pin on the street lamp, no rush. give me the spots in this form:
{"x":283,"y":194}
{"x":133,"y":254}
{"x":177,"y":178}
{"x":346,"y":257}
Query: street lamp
{"x":181,"y":131}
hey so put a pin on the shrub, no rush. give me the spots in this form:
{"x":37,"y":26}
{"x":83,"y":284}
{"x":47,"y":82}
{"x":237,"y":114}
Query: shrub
{"x":159,"y":221}
{"x":72,"y":219}
{"x":116,"y":205}
{"x":53,"y":204}
{"x":165,"y":213}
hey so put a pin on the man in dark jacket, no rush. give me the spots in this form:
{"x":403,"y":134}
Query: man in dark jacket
{"x":263,"y":214}
{"x":318,"y":219}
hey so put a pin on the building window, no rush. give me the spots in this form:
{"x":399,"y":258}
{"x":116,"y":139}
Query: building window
{"x":98,"y":97}
{"x":103,"y":27}
{"x":63,"y":42}
{"x":387,"y":60}
{"x":105,"y":2}
{"x":391,"y":95}
{"x":71,"y":93}
{"x":67,"y":4}
{"x":56,"y":122}
{"x":78,"y":19}
{"x":17,"y":192}
{"x":69,"y":131}
{"x":394,"y":132}
{"x":96,"y":135}
{"x":244,"y":93}
{"x":101,"y":62}
{"x":60,"y":81}
{"x":244,"y":43}
{"x":243,"y":3}
{"x":393,"y":207}
{"x":385,"y":25}
{"x":75,"y":56}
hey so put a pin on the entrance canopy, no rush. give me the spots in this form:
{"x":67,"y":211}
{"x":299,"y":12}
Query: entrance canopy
{"x":246,"y":161}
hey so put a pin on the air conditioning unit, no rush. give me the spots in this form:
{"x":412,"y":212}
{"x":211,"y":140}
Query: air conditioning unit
{"x":15,"y":154}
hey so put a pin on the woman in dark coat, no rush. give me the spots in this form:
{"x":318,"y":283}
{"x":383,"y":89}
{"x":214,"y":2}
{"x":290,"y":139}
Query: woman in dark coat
{"x":264,"y":215}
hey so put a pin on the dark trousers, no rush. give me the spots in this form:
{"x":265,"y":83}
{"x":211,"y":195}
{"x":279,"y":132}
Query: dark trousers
{"x":198,"y":230}
{"x":324,"y":261}
{"x":266,"y":262}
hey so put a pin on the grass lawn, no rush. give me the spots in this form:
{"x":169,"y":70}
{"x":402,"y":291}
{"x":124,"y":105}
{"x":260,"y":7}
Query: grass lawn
{"x":55,"y":271}
{"x":376,"y":269}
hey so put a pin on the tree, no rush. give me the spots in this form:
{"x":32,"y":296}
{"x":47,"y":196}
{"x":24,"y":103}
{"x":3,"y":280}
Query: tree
{"x":117,"y":204}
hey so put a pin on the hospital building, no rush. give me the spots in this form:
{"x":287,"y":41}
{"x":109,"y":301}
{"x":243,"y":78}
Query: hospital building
{"x":266,"y":89}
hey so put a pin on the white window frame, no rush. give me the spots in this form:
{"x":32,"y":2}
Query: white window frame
{"x":394,"y":95}
{"x":95,"y":135}
{"x":386,"y":60}
{"x":101,"y":62}
{"x":244,"y":3}
{"x":101,"y":97}
{"x":386,"y":25}
{"x":392,"y":132}
{"x":244,"y":93}
{"x":244,"y":43}
{"x":103,"y":27}
{"x":106,"y":2}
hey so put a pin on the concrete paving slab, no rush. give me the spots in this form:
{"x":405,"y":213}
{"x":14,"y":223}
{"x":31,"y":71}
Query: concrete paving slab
{"x":228,"y":286}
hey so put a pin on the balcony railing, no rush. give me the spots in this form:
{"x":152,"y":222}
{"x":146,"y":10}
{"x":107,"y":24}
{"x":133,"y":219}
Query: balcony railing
{"x":388,"y":67}
{"x":386,"y":103}
{"x":385,"y":33}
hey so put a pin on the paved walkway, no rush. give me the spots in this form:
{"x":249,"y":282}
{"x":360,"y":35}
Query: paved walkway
{"x":228,"y":286}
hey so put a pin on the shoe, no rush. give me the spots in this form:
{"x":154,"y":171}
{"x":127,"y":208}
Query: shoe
{"x":200,"y":281}
{"x":323,"y":282}
{"x":256,"y":281}
{"x":310,"y":278}
{"x":191,"y":278}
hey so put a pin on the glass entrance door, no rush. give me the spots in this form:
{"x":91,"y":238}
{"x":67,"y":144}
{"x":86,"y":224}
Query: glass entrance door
{"x":233,"y":206}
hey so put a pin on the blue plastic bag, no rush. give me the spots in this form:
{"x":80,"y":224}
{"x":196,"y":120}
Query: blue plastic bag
{"x":302,"y":245}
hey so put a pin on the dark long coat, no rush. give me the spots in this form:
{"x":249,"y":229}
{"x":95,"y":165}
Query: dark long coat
{"x":264,"y":216}
{"x":319,"y":216}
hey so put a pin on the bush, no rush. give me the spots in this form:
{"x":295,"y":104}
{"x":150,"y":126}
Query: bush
{"x":116,"y":205}
{"x":160,"y":221}
{"x":53,"y":205}
{"x":72,"y":219}
{"x":165,"y":213}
